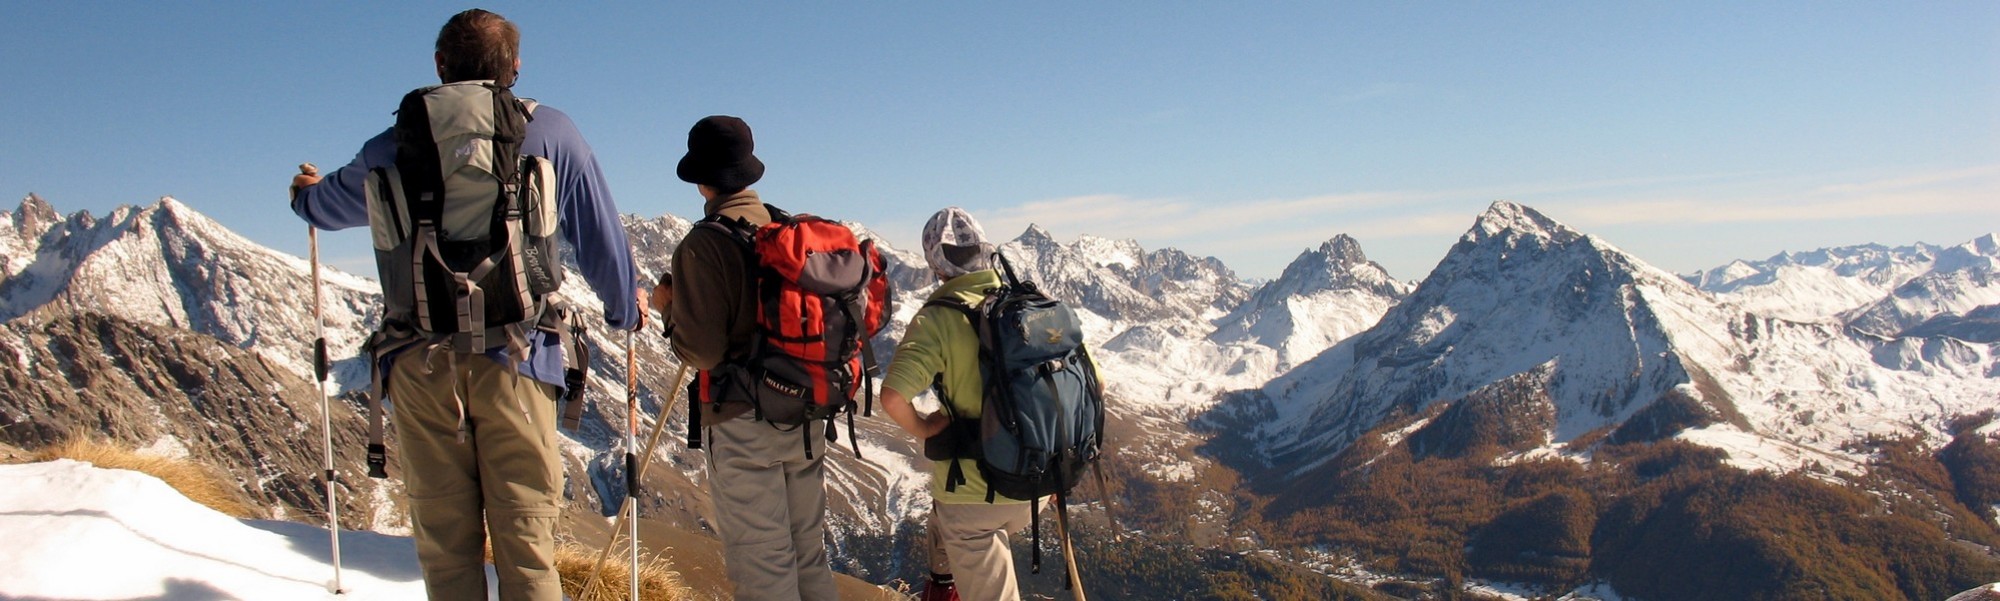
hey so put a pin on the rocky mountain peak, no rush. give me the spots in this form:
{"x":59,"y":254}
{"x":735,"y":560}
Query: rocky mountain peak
{"x":35,"y":216}
{"x":1036,"y":237}
{"x":1986,"y":245}
{"x":1343,"y":250}
{"x":1338,"y":263}
{"x":1515,"y":222}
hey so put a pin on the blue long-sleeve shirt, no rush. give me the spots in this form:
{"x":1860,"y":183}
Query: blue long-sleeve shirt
{"x":589,"y":220}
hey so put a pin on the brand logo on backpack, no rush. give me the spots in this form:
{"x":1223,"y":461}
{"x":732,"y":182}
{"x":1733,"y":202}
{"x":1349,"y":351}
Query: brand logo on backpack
{"x":821,"y":293}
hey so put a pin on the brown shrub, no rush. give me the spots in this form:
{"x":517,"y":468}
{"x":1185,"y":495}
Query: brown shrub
{"x":657,"y":579}
{"x":199,"y":483}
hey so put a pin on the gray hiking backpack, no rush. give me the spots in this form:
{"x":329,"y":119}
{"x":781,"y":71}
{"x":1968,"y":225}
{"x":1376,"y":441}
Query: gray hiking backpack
{"x":465,"y":230}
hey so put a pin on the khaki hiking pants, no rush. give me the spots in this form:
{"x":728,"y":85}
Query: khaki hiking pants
{"x":969,"y":541}
{"x":770,"y":508}
{"x":504,"y":477}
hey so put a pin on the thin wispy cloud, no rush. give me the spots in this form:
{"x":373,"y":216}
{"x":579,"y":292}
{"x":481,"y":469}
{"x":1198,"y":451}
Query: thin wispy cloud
{"x":1272,"y":230}
{"x":1948,"y":192}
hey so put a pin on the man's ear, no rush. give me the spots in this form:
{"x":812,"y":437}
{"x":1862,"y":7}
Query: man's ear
{"x":438,"y":58}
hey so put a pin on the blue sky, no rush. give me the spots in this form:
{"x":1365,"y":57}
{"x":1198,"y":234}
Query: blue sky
{"x":1689,"y":133}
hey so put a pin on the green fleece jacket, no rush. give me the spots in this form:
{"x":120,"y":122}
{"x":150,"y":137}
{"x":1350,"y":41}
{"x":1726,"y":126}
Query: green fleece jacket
{"x":941,"y":342}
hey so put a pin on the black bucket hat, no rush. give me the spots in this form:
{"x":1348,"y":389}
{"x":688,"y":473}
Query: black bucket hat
{"x":719,"y":156}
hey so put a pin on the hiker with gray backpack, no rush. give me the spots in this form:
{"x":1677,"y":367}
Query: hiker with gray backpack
{"x":1022,"y":410}
{"x":464,"y":197}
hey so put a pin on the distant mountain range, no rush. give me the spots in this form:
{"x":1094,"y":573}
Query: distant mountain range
{"x":1530,"y":337}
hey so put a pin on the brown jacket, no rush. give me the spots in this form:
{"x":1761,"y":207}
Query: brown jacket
{"x":714,"y":314}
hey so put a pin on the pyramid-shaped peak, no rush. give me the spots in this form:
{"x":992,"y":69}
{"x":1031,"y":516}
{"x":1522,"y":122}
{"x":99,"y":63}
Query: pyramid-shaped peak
{"x":1518,"y":220}
{"x":1036,"y":236}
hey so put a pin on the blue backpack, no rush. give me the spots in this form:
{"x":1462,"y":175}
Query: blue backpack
{"x":1041,"y":423}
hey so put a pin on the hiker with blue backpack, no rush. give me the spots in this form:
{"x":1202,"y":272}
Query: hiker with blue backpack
{"x":1021,"y":409}
{"x":464,"y":197}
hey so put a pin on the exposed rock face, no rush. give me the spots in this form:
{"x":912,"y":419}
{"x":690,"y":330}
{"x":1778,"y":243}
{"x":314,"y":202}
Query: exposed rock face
{"x":68,"y":373}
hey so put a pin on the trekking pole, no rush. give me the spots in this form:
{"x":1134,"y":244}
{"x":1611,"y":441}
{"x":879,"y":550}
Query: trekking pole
{"x":651,"y":440}
{"x":325,"y":406}
{"x":1069,"y":552}
{"x":631,"y":460}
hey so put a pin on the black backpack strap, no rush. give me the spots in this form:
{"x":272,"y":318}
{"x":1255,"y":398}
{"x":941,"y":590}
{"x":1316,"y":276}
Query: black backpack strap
{"x":696,"y":403}
{"x":971,"y":313}
{"x":1007,"y":268}
{"x":417,"y":159}
{"x":868,"y":369}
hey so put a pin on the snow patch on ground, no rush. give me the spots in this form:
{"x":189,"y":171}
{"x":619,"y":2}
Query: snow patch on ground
{"x":1752,"y":452}
{"x":1551,"y":452}
{"x":1596,"y":591}
{"x":75,"y":531}
{"x":166,"y":447}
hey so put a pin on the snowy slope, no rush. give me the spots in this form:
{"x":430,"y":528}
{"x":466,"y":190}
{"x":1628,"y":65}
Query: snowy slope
{"x":1964,"y":278}
{"x":1323,"y":297}
{"x":80,"y":533}
{"x":1523,"y":293}
{"x":1173,"y":332}
{"x":1822,"y":285}
{"x":167,"y":264}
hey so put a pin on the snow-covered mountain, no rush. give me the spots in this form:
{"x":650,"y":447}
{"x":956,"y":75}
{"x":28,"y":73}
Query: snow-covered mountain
{"x":1606,"y":342}
{"x":167,"y":264}
{"x":1528,"y":335}
{"x":1824,"y":284}
{"x":1962,"y":279}
{"x":1324,"y":296}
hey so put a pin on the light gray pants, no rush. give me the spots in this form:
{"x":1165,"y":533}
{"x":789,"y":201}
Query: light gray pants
{"x":974,"y":537}
{"x":770,"y":508}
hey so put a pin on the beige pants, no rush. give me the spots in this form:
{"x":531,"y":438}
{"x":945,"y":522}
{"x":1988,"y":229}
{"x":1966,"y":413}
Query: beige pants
{"x":770,"y":508}
{"x":503,"y":478}
{"x":974,"y":537}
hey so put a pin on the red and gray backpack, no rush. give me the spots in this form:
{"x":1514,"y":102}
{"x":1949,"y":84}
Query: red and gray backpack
{"x":821,"y":293}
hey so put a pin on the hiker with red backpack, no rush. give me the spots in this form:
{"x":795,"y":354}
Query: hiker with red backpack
{"x":1021,"y":409}
{"x":464,"y":198}
{"x":774,"y":310}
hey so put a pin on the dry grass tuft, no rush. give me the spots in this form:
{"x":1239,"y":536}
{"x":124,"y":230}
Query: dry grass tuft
{"x":657,"y":580}
{"x":10,"y":454}
{"x":195,"y":481}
